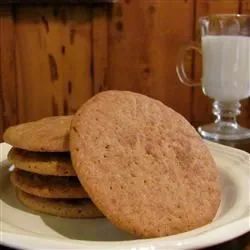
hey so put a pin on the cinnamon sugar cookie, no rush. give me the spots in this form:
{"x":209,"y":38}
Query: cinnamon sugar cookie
{"x":49,"y":134}
{"x":43,"y":163}
{"x":143,"y":165}
{"x":48,"y":186}
{"x":70,"y":208}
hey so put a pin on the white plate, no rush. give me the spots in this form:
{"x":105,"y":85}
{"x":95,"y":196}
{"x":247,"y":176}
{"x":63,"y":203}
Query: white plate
{"x":22,"y":229}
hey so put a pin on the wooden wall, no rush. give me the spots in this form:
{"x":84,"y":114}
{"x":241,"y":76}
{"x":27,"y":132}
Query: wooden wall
{"x":53,"y":58}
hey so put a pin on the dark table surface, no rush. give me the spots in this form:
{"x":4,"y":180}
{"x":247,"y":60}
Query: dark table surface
{"x":240,"y":243}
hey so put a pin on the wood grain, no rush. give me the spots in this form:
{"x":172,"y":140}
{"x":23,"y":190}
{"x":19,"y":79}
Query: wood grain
{"x":144,"y":39}
{"x":8,"y":93}
{"x":202,"y":108}
{"x":54,"y":57}
{"x":53,"y":60}
{"x":99,"y":48}
{"x":25,"y":2}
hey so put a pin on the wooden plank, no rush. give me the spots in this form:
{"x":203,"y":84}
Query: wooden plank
{"x":1,"y":113}
{"x":100,"y":47}
{"x":144,"y":39}
{"x":34,"y":90}
{"x":8,"y":94}
{"x":245,"y":116}
{"x":202,"y":108}
{"x":54,"y":78}
{"x":4,"y":2}
{"x":78,"y":58}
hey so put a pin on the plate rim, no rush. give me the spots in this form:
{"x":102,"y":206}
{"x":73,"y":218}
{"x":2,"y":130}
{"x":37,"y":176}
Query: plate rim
{"x":157,"y":243}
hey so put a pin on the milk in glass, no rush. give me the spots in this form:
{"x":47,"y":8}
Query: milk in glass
{"x":226,"y":67}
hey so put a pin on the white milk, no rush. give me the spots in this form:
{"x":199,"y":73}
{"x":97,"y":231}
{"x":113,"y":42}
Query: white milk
{"x":226,"y":67}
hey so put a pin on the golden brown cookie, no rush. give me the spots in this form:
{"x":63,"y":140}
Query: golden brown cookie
{"x":143,"y":165}
{"x":43,"y":163}
{"x":66,"y":187}
{"x":49,"y":134}
{"x":75,"y":208}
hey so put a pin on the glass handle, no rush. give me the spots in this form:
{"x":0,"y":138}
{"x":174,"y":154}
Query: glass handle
{"x":180,"y":67}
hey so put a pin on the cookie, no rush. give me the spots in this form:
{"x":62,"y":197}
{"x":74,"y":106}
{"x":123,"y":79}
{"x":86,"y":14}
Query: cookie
{"x":43,"y":163}
{"x":143,"y":165}
{"x":75,"y":208}
{"x":48,"y":186}
{"x":50,"y":134}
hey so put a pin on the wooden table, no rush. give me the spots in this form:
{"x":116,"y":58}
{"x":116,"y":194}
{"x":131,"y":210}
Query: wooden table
{"x":240,"y":243}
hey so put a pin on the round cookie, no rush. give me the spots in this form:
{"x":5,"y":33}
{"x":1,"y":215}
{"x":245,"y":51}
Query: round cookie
{"x":76,"y":208}
{"x":43,"y":163}
{"x":48,"y":186}
{"x":143,"y":165}
{"x":49,"y":134}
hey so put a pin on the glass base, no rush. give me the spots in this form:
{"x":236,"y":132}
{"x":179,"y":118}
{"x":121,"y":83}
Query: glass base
{"x":220,"y":131}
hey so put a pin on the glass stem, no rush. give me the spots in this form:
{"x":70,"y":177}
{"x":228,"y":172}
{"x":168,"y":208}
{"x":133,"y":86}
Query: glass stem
{"x":226,"y":113}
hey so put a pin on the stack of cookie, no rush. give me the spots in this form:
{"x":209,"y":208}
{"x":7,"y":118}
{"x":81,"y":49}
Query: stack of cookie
{"x":141,"y":163}
{"x":44,"y":178}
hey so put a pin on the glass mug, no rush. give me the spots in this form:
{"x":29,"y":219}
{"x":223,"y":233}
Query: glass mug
{"x":225,"y":49}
